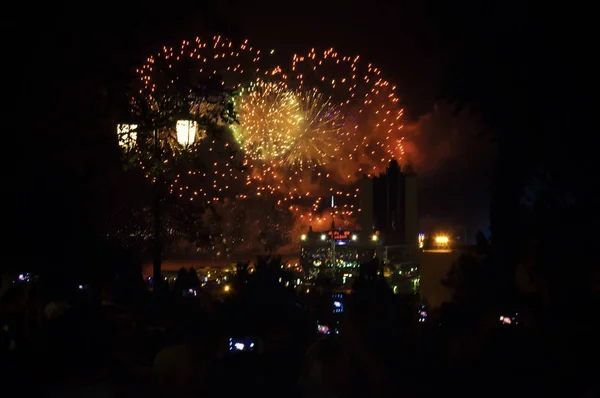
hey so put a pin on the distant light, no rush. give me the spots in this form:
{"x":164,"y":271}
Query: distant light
{"x":354,"y":237}
{"x":441,"y":240}
{"x":323,"y":237}
{"x":374,"y":238}
{"x":303,"y":237}
{"x":226,"y":288}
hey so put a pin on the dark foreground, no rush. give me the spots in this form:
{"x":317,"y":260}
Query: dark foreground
{"x":111,"y":341}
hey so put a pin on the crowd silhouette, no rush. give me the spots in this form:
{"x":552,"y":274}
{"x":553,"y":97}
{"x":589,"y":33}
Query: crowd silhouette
{"x":114,"y":337}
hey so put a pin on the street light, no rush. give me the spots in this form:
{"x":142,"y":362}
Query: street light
{"x":186,"y":132}
{"x":354,"y":237}
{"x":126,"y":135}
{"x":182,"y":105}
{"x":303,"y":237}
{"x":374,"y":238}
{"x":323,"y":237}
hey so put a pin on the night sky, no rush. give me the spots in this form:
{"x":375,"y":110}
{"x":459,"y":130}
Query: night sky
{"x":68,"y":57}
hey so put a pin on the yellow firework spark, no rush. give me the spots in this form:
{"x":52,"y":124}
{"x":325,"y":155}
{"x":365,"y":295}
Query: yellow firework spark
{"x":269,"y":116}
{"x":287,"y":127}
{"x":318,"y":134}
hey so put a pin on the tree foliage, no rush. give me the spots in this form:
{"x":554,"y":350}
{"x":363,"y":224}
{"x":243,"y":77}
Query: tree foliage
{"x":534,"y":124}
{"x":154,"y":158}
{"x":470,"y":276}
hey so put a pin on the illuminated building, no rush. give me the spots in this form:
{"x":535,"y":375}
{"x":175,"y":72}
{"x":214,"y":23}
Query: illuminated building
{"x":441,"y":242}
{"x":389,"y":230}
{"x":350,"y":251}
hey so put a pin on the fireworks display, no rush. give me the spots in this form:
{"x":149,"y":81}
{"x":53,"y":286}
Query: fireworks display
{"x":306,"y":130}
{"x":284,"y":127}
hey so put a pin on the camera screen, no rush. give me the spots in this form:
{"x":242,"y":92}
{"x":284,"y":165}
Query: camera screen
{"x":327,"y":330}
{"x":509,"y":319}
{"x":323,"y":329}
{"x":241,"y":344}
{"x":338,"y":304}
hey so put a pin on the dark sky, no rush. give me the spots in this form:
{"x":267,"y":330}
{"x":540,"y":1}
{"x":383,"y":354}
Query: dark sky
{"x":62,"y":54}
{"x":394,"y":36}
{"x":401,"y":39}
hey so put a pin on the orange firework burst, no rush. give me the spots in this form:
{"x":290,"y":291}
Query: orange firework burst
{"x":306,"y":130}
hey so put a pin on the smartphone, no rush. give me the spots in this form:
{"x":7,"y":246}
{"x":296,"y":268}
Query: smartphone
{"x":323,"y":329}
{"x":338,"y":303}
{"x":244,"y":344}
{"x":509,"y":319}
{"x":326,"y":330}
{"x":189,"y":293}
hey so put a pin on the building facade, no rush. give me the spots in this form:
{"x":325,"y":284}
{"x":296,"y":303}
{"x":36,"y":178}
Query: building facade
{"x":388,"y":229}
{"x":389,"y":207}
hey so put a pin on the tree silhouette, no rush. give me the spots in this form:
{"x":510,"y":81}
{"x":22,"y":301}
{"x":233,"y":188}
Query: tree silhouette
{"x":471,"y":277}
{"x":242,"y":270}
{"x":186,"y":279}
{"x":178,"y":95}
{"x":483,"y":83}
{"x":63,"y":192}
{"x":370,"y":276}
{"x":242,"y":276}
{"x":268,"y":268}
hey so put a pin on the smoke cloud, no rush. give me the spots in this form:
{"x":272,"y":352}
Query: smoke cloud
{"x":453,"y":154}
